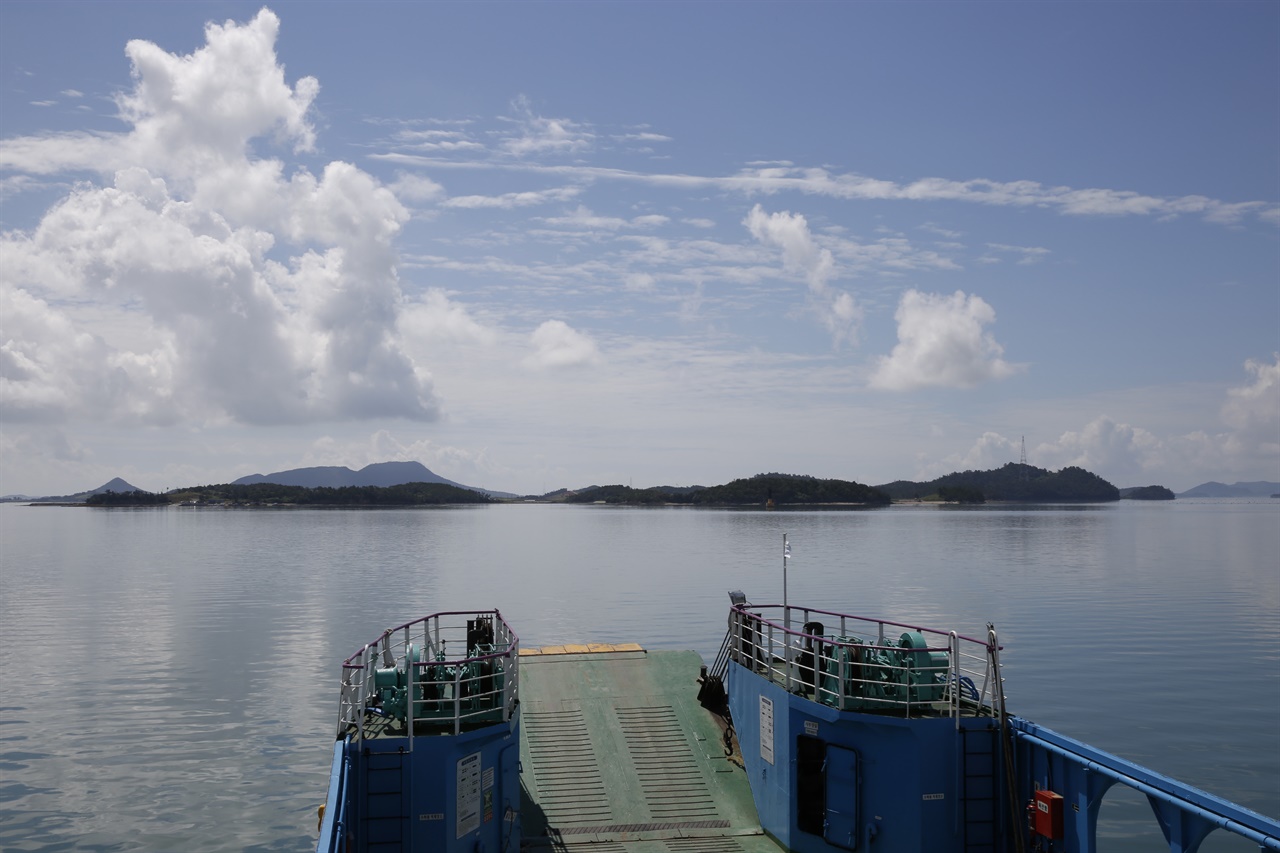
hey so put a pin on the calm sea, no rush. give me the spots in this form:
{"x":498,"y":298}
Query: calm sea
{"x":170,"y":676}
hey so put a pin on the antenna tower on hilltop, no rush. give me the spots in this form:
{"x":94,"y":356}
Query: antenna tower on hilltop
{"x":1023,"y":460}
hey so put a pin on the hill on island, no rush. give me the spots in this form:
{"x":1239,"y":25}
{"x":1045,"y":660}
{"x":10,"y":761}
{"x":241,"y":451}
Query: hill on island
{"x":276,"y":494}
{"x":781,"y":489}
{"x":115,"y":484}
{"x":1212,"y":489}
{"x":1147,"y":493}
{"x":380,"y":474}
{"x":1013,"y":482}
{"x":334,"y":477}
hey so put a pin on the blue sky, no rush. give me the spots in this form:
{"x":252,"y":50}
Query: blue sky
{"x":536,"y":245}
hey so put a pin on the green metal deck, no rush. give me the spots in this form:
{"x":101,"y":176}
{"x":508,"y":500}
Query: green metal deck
{"x":618,"y":756}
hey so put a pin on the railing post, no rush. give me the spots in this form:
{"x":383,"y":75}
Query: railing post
{"x":457,"y":699}
{"x":843,"y":668}
{"x":953,"y":676}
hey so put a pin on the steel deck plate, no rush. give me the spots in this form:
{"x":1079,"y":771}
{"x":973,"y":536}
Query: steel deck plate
{"x":619,"y":757}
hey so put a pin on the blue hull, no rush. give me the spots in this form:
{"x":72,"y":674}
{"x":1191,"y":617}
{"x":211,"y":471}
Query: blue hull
{"x":825,"y":779}
{"x":890,"y":745}
{"x":449,"y":793}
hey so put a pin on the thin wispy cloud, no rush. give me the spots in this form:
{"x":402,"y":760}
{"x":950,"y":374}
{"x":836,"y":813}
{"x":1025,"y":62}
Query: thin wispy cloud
{"x":511,"y":200}
{"x":851,"y":186}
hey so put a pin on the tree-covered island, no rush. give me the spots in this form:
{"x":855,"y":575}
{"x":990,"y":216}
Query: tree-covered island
{"x":1147,"y":493}
{"x":760,"y":490}
{"x":272,"y":494}
{"x":1012,"y":482}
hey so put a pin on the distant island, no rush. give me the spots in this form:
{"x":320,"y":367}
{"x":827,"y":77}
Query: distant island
{"x":116,"y":485}
{"x":760,"y":490}
{"x":1012,"y":482}
{"x":272,"y":494}
{"x":382,"y":474}
{"x":1147,"y":493}
{"x":1211,"y":489}
{"x":413,"y":484}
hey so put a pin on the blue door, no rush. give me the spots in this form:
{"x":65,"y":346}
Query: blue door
{"x":842,"y":797}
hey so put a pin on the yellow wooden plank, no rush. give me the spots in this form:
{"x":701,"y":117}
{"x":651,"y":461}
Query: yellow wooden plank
{"x":581,"y":649}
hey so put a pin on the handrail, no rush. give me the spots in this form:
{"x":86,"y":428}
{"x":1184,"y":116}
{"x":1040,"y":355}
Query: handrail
{"x":407,"y":675}
{"x":872,"y":672}
{"x":1200,"y":811}
{"x":333,"y":818}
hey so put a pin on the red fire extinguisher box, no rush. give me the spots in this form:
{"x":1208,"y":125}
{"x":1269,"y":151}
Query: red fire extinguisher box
{"x":1048,"y":814}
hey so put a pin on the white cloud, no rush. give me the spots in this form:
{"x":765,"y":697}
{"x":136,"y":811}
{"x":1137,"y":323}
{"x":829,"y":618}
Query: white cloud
{"x":1129,"y":455}
{"x":941,"y":344}
{"x":991,"y":450}
{"x":582,"y":217}
{"x":640,"y":283}
{"x":436,"y":140}
{"x":1117,"y":450}
{"x":642,"y":136}
{"x":436,"y":319}
{"x":1124,"y":455}
{"x":192,"y":236}
{"x":789,"y":232}
{"x":775,"y":179}
{"x":1253,"y":410}
{"x":509,"y":201}
{"x":556,"y":344}
{"x":1026,"y":255}
{"x":195,"y":115}
{"x":410,"y":187}
{"x":538,"y":135}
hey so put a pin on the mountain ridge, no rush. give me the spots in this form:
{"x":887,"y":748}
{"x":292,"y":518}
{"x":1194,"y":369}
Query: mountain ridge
{"x":115,"y":484}
{"x":1214,"y":489}
{"x":380,"y":474}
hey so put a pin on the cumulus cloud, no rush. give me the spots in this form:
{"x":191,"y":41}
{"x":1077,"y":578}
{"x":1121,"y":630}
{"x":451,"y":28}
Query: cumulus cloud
{"x":410,"y":187}
{"x":1124,"y":454}
{"x":557,"y":344}
{"x":1247,"y":448}
{"x":789,"y":232}
{"x":260,"y":298}
{"x":942,"y":344}
{"x":1121,"y":450}
{"x":1253,"y":410}
{"x":436,"y":318}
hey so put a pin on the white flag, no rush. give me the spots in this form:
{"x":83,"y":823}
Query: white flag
{"x":786,"y":551}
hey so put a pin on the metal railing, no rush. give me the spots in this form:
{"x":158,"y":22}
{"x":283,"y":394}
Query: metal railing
{"x":438,"y":675}
{"x":858,"y":664}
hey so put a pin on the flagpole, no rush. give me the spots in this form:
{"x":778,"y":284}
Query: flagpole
{"x":786,"y":611}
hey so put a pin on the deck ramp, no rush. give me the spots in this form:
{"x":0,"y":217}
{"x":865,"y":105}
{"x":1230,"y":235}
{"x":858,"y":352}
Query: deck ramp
{"x":619,"y":757}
